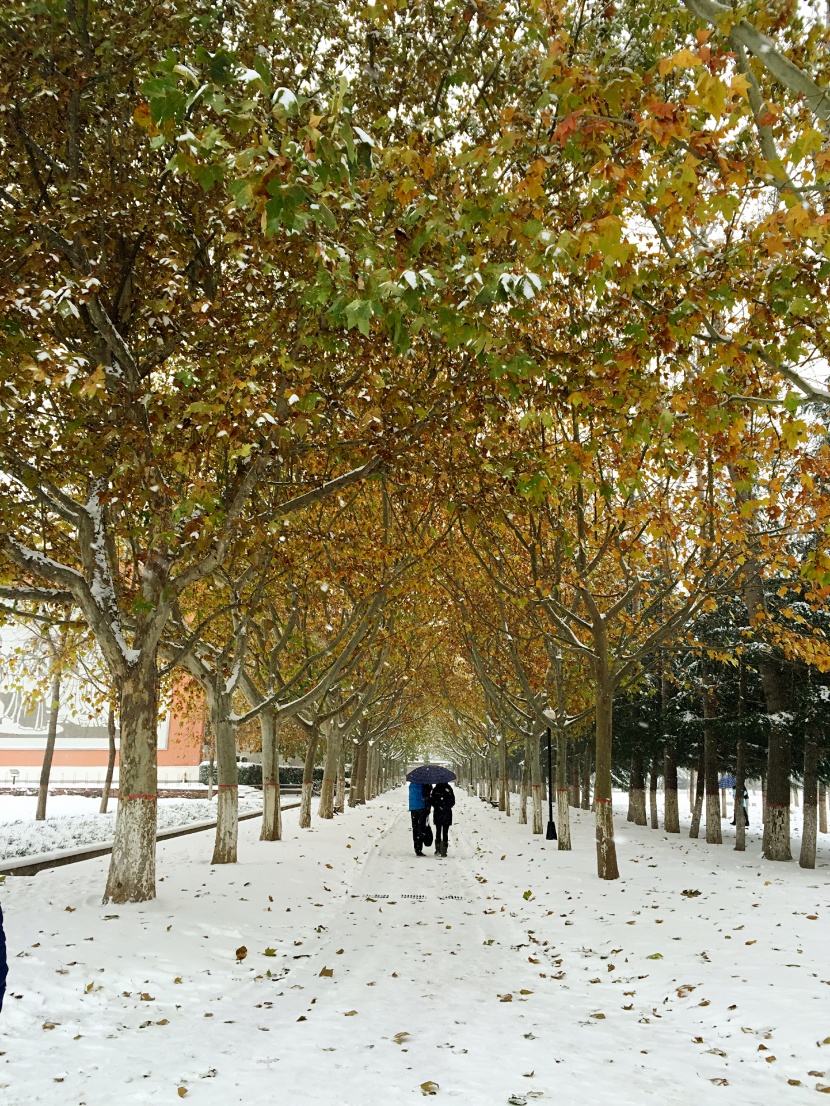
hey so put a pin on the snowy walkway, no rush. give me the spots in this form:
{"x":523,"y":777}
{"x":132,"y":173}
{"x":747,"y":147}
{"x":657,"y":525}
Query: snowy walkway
{"x":631,"y":992}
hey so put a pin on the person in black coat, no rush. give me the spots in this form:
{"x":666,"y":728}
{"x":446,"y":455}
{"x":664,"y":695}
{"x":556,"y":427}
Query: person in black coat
{"x":4,"y":964}
{"x":442,"y":801}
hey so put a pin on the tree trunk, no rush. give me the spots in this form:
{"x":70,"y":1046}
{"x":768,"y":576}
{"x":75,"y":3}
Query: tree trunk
{"x":340,"y":786}
{"x":637,"y":789}
{"x":740,"y":784}
{"x":523,"y":789}
{"x":563,"y":812}
{"x":671,"y":812}
{"x":572,"y":783}
{"x":710,"y":759}
{"x":536,"y":783}
{"x":502,"y":755}
{"x":105,"y":793}
{"x":723,"y":810}
{"x":325,"y":808}
{"x":308,"y":781}
{"x":49,"y":751}
{"x":271,"y":803}
{"x":822,"y":808}
{"x":587,"y":763}
{"x":132,"y":869}
{"x":211,"y":760}
{"x":655,"y":775}
{"x":692,"y":788}
{"x":807,"y":859}
{"x":700,"y":781}
{"x":362,"y":755}
{"x":227,"y":792}
{"x":606,"y":849}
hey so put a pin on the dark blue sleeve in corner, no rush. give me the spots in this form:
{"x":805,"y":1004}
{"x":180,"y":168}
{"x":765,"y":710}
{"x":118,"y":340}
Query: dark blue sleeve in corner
{"x":4,"y":964}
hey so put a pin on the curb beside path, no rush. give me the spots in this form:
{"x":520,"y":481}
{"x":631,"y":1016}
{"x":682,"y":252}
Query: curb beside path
{"x":31,"y":865}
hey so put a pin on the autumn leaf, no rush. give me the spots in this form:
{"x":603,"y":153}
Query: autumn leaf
{"x":241,"y":953}
{"x":683,"y":59}
{"x":429,"y":1087}
{"x":568,"y":127}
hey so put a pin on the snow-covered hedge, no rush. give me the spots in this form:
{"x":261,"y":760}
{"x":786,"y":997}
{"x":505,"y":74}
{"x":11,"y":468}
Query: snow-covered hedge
{"x":24,"y":837}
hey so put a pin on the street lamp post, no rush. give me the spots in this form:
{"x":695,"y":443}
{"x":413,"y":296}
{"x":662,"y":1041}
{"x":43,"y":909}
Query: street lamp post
{"x":551,"y":831}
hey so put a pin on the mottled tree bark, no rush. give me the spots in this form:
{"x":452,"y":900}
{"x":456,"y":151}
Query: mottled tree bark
{"x":587,"y":760}
{"x":536,"y":783}
{"x":308,"y":780}
{"x":325,"y":807}
{"x":604,"y":704}
{"x":700,"y":781}
{"x":710,"y":759}
{"x":562,"y":793}
{"x":227,"y":795}
{"x":271,"y":804}
{"x":807,"y":859}
{"x":132,"y":869}
{"x":655,"y":775}
{"x":637,"y":789}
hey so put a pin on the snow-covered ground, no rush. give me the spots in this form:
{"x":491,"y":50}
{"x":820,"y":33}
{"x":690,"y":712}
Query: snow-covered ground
{"x":73,"y":820}
{"x":335,"y":968}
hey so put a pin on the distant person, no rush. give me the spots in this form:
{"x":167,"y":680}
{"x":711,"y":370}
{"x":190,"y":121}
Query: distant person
{"x":4,"y":964}
{"x":744,"y":806}
{"x":442,"y":801}
{"x":418,"y":809}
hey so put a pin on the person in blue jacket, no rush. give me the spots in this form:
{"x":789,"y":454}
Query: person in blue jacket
{"x":418,"y":810}
{"x":4,"y":964}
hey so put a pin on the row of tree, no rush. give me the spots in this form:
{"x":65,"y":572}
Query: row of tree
{"x":340,"y":347}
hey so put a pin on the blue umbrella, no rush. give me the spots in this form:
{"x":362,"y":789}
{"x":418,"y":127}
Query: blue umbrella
{"x":727,"y":781}
{"x":430,"y":773}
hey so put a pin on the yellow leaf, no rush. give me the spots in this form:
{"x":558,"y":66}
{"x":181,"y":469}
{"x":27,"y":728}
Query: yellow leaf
{"x":684,"y":59}
{"x":181,"y":1091}
{"x":739,"y":86}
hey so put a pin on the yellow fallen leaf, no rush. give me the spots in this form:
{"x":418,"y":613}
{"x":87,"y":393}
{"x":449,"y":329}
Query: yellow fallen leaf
{"x":350,"y":1013}
{"x":429,"y":1087}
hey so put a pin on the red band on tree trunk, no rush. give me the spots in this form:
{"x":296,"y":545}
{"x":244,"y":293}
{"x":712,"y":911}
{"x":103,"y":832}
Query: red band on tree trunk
{"x":152,"y":797}
{"x":233,"y":785}
{"x":602,"y":800}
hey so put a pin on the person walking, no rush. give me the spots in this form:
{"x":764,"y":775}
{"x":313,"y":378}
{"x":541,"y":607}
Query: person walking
{"x":418,"y":814}
{"x":442,"y":801}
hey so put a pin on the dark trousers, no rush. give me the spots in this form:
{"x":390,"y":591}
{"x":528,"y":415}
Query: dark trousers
{"x":441,"y":835}
{"x":419,"y":821}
